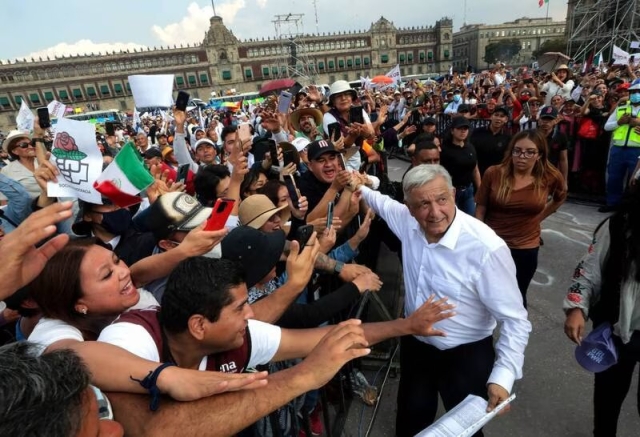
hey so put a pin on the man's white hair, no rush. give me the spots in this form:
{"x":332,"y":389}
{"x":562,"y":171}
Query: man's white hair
{"x":423,"y":174}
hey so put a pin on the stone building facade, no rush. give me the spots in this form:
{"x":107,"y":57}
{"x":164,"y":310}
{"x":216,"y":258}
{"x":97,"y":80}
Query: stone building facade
{"x":220,"y":63}
{"x":470,"y":41}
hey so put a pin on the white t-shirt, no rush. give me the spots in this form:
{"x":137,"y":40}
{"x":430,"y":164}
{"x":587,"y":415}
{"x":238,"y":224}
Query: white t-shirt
{"x":265,"y":341}
{"x":49,"y":331}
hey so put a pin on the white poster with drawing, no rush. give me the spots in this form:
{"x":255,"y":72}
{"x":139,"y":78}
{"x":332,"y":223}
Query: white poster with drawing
{"x":79,"y":160}
{"x":56,"y":109}
{"x":25,"y":118}
{"x":152,"y":90}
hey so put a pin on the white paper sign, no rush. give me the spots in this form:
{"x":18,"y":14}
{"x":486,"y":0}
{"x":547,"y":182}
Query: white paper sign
{"x":635,"y":45}
{"x":25,"y":118}
{"x":620,"y":57}
{"x":57,"y":109}
{"x":79,"y":160}
{"x":152,"y":90}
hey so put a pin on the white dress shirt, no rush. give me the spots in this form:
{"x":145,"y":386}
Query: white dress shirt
{"x":472,"y":267}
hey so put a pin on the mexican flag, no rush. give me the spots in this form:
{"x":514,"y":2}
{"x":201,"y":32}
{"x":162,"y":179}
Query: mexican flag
{"x":124,"y":178}
{"x":541,"y":3}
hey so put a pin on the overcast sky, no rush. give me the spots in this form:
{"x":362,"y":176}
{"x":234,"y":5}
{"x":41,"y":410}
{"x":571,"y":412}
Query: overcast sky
{"x":41,"y":27}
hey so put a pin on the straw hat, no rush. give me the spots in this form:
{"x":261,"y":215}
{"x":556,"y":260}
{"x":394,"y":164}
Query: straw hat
{"x":256,"y":210}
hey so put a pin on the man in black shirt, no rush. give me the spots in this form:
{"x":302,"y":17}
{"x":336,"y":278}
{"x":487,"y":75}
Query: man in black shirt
{"x":492,"y":141}
{"x":557,"y":142}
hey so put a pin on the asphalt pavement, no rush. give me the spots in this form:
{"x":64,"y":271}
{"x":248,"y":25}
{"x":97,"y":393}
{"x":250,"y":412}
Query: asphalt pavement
{"x":554,"y":397}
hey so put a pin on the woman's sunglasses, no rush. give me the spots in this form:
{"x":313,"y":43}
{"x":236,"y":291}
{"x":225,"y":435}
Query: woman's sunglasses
{"x":25,"y":144}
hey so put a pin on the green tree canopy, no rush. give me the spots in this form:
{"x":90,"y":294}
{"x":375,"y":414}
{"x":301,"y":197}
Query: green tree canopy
{"x":502,"y":51}
{"x":551,"y":45}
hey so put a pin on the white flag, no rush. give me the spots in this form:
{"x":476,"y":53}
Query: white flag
{"x":25,"y":118}
{"x":394,"y":73}
{"x":57,"y":109}
{"x":619,"y":56}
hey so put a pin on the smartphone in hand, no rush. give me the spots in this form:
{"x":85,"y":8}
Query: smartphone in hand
{"x":182,"y":100}
{"x":329,"y":215}
{"x":287,"y":157}
{"x":341,"y":161}
{"x":334,"y":131}
{"x":284,"y":102}
{"x":294,"y":195}
{"x":43,"y":117}
{"x":303,"y":235}
{"x":355,"y":115}
{"x":183,"y":171}
{"x":273,"y":153}
{"x":221,"y":212}
{"x":110,"y":128}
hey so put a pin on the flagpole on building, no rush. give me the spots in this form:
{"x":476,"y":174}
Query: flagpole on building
{"x":546,"y":21}
{"x":214,"y":8}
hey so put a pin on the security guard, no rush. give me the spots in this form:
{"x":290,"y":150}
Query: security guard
{"x":624,"y":121}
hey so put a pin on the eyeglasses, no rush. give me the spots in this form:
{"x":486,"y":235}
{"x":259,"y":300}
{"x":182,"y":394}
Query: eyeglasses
{"x":25,"y":145}
{"x":528,"y":154}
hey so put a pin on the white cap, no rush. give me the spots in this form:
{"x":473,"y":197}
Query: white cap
{"x":300,"y":143}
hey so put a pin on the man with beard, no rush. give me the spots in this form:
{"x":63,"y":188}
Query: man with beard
{"x":492,"y":141}
{"x":305,"y":121}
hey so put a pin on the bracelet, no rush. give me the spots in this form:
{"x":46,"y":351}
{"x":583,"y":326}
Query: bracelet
{"x":149,"y":383}
{"x":37,"y":140}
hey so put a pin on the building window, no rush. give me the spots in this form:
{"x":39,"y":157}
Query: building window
{"x":63,"y":95}
{"x":265,"y":71}
{"x":117,"y":88}
{"x":446,"y":53}
{"x":5,"y":103}
{"x":332,"y":64}
{"x":341,"y":63}
{"x":204,"y":78}
{"x":48,"y":96}
{"x":357,"y":62}
{"x":401,"y":57}
{"x":18,"y":100}
{"x":321,"y":65}
{"x":366,"y":61}
{"x":274,"y":70}
{"x":104,"y":90}
{"x":179,"y":81}
{"x":226,"y":75}
{"x":384,"y":59}
{"x":349,"y":63}
{"x":248,"y":73}
{"x":35,"y":98}
{"x":91,"y":91}
{"x":410,"y":57}
{"x":421,"y":56}
{"x":77,"y":93}
{"x":192,"y":80}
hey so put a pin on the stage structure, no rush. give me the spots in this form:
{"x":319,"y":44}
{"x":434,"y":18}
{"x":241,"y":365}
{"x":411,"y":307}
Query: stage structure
{"x":293,"y":54}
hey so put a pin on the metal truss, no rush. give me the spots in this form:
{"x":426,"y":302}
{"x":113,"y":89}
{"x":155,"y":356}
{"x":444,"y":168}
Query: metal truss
{"x":293,"y":59}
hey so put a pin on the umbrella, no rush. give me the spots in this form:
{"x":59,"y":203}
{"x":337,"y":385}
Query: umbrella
{"x":382,"y":80}
{"x":275,"y":86}
{"x":551,"y":60}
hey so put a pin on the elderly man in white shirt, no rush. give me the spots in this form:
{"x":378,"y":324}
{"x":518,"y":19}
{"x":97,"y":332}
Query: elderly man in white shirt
{"x":451,"y":254}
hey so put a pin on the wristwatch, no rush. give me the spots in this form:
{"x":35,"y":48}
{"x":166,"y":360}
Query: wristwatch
{"x":338,"y":267}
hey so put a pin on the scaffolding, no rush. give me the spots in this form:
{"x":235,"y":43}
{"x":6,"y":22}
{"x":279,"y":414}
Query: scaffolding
{"x":594,"y":26}
{"x":293,"y":59}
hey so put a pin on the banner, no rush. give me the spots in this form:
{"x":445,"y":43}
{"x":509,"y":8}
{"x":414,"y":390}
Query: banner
{"x":79,"y":160}
{"x":619,"y":56}
{"x":395,"y":74}
{"x":25,"y":118}
{"x":152,"y":90}
{"x":57,"y":109}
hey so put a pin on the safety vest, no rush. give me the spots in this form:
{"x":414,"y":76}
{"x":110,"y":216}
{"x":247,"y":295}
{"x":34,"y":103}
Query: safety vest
{"x":625,"y":135}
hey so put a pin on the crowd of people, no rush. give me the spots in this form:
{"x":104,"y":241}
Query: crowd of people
{"x":162,"y":317}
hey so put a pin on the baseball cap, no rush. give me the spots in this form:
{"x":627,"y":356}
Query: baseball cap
{"x":597,"y":352}
{"x":300,"y":143}
{"x":502,"y":109}
{"x":152,"y":152}
{"x":429,"y":120}
{"x":258,"y":252}
{"x":548,"y":112}
{"x":317,"y":148}
{"x":459,"y":121}
{"x":202,"y":141}
{"x":173,"y":212}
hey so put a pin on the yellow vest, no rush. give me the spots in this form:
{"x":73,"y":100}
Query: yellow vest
{"x":625,"y":135}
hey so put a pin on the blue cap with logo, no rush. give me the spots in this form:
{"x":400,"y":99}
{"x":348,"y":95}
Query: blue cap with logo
{"x":597,"y":352}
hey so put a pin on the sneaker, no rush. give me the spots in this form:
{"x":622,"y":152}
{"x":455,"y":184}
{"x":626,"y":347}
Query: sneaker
{"x":315,"y":421}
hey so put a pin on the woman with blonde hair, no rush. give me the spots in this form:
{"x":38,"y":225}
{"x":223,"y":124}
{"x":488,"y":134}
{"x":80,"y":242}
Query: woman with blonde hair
{"x":517,"y":195}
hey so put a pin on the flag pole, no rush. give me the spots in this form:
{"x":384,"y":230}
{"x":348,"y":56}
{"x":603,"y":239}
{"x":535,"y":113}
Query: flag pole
{"x":546,"y":21}
{"x":214,"y":8}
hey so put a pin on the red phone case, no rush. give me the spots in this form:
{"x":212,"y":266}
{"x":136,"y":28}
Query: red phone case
{"x":219,"y":215}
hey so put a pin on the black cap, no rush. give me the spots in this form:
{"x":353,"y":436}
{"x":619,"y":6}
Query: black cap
{"x":161,"y":135}
{"x":549,"y":112}
{"x":429,"y":120}
{"x":464,"y":108}
{"x":258,"y":252}
{"x":459,"y":121}
{"x":315,"y":149}
{"x":152,"y":152}
{"x":502,"y":109}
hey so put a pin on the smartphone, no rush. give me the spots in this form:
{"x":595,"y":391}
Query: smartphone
{"x":507,"y":85}
{"x":334,"y":131}
{"x":273,"y":152}
{"x":218,"y":218}
{"x":284,"y":102}
{"x":182,"y":101}
{"x":287,"y":157}
{"x":43,"y":118}
{"x":329,"y":215}
{"x":355,"y":115}
{"x":414,"y":118}
{"x":303,"y":234}
{"x":290,"y":183}
{"x":295,"y":89}
{"x":183,"y":171}
{"x":343,"y":164}
{"x":110,"y":128}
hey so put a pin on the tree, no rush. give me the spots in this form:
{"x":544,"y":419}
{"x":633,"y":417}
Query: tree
{"x":551,"y":45}
{"x":502,"y":51}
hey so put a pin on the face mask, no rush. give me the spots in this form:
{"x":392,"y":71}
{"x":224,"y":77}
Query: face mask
{"x":456,"y":98}
{"x":524,"y":98}
{"x":116,"y":222}
{"x":634,"y":98}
